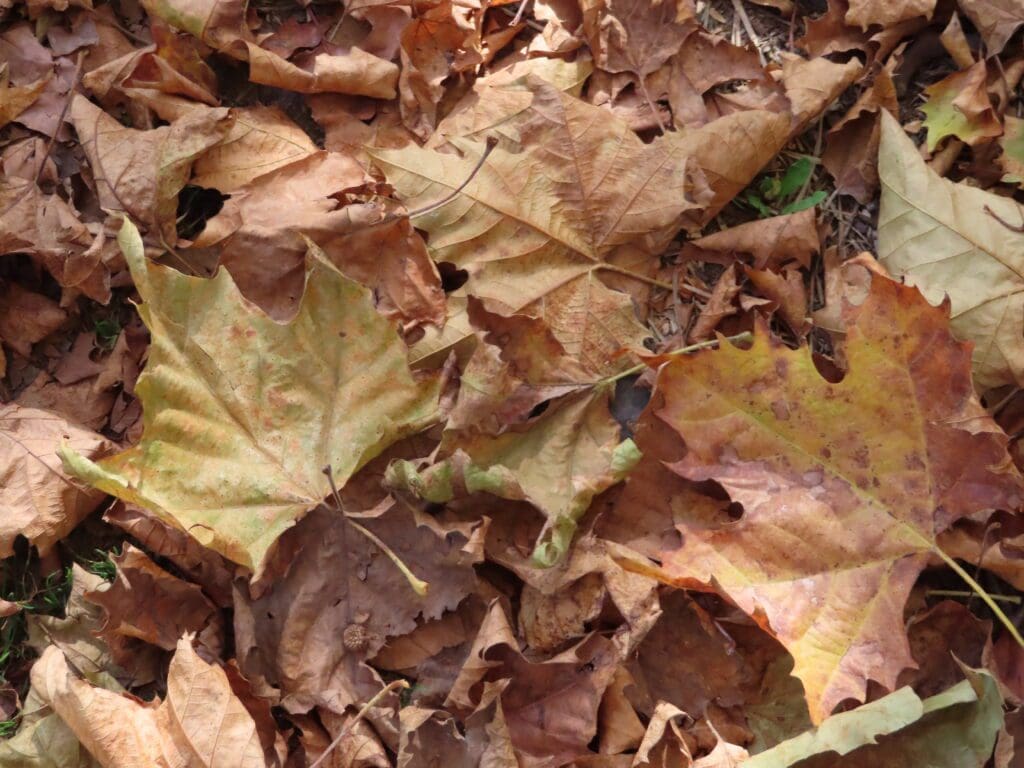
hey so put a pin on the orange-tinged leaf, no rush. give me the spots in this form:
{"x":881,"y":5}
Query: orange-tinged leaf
{"x":200,"y":723}
{"x":233,"y":450}
{"x":844,"y":486}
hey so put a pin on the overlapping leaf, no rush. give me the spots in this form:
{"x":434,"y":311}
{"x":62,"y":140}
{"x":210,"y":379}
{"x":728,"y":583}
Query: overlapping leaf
{"x":843,"y":492}
{"x":234,"y":447}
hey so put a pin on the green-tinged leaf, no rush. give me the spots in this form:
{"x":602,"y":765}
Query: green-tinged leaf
{"x":796,"y":176}
{"x":955,"y":729}
{"x":805,"y":202}
{"x":939,"y":236}
{"x":558,"y":462}
{"x":243,"y":413}
{"x":1012,"y":159}
{"x":959,"y":105}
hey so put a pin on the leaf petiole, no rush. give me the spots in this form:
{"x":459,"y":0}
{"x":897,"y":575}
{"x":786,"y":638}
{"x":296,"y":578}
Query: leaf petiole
{"x":980,"y":591}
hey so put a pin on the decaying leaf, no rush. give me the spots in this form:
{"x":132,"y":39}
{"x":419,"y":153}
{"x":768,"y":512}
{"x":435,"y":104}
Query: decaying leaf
{"x":843,"y":492}
{"x":232,"y":453}
{"x":953,"y":729}
{"x":959,"y":105}
{"x":39,"y":500}
{"x":938,"y":235}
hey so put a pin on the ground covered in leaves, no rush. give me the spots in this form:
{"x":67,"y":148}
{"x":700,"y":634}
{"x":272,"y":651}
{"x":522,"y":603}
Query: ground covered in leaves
{"x":600,"y":383}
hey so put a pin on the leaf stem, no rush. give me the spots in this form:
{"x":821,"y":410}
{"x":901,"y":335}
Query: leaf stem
{"x":980,"y":591}
{"x":1015,"y":599}
{"x":745,"y":336}
{"x":359,"y":716}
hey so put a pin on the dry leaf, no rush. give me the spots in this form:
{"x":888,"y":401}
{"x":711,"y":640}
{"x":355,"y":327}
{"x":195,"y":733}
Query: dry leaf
{"x":233,"y":412}
{"x":40,"y":501}
{"x":938,"y":236}
{"x":959,"y":105}
{"x":850,"y":515}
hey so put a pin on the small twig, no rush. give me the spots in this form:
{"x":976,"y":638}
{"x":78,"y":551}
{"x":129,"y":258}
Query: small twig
{"x":529,"y":22}
{"x":745,"y":336}
{"x":754,"y":39}
{"x":519,"y":13}
{"x":1015,"y":599}
{"x":419,"y":586}
{"x":492,"y":142}
{"x":995,"y":409}
{"x":359,"y":716}
{"x":1004,"y":222}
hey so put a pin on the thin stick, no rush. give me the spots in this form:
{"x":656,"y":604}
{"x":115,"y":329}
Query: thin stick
{"x":359,"y":716}
{"x":1015,"y":599}
{"x":754,"y":39}
{"x":980,"y":592}
{"x":745,"y":336}
{"x":491,"y":144}
{"x":1004,"y":222}
{"x":650,"y":103}
{"x":419,"y":586}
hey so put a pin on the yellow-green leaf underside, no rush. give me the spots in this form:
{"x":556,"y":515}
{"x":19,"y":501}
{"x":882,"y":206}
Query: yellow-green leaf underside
{"x":241,"y":413}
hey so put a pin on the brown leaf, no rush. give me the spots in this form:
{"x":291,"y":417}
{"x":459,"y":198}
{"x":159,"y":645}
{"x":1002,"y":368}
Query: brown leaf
{"x":813,"y":84}
{"x":355,"y":72}
{"x":636,"y":36}
{"x":963,"y":470}
{"x":722,"y":304}
{"x":787,"y":292}
{"x":202,"y":565}
{"x":147,"y":603}
{"x":16,"y":99}
{"x":259,"y":231}
{"x":996,"y":20}
{"x":141,"y":172}
{"x":39,"y":501}
{"x":346,"y":615}
{"x":865,"y":13}
{"x":851,"y":151}
{"x":771,"y":242}
{"x":27,"y":317}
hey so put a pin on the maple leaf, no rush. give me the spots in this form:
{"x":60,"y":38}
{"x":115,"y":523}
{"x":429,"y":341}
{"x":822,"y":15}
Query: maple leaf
{"x":232,"y":452}
{"x":953,"y":729}
{"x":844,"y":492}
{"x":959,"y":105}
{"x":938,"y":236}
{"x":996,"y":20}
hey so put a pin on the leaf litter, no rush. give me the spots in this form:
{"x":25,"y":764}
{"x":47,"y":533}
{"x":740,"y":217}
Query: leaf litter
{"x":542,"y":384}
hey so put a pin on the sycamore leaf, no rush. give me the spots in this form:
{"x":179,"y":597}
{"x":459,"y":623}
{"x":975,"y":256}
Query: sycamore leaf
{"x":39,"y":501}
{"x":636,"y":37}
{"x":200,"y":723}
{"x":953,"y":729}
{"x":959,"y":105}
{"x":142,"y":172}
{"x":16,"y":99}
{"x":553,"y":204}
{"x":558,"y":462}
{"x":1012,"y":142}
{"x":865,"y":13}
{"x":938,"y":236}
{"x":996,"y":20}
{"x":232,"y":452}
{"x":261,"y":140}
{"x":844,"y":491}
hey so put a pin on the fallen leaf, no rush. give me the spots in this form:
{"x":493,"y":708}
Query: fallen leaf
{"x":147,"y":603}
{"x":995,"y":20}
{"x":897,"y":487}
{"x":865,"y":13}
{"x":201,"y":722}
{"x":937,"y":235}
{"x":141,"y":172}
{"x":347,"y":615}
{"x":27,"y":317}
{"x":959,"y":105}
{"x":261,"y":140}
{"x":222,"y":372}
{"x":16,"y":99}
{"x":40,"y":501}
{"x":1012,"y":142}
{"x":954,"y":729}
{"x":771,"y":242}
{"x":851,"y":152}
{"x":636,"y":36}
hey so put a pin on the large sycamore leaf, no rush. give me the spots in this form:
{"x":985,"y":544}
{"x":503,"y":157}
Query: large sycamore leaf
{"x":568,"y":186}
{"x":844,"y":486}
{"x":243,"y":413}
{"x":954,"y":729}
{"x":938,"y":235}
